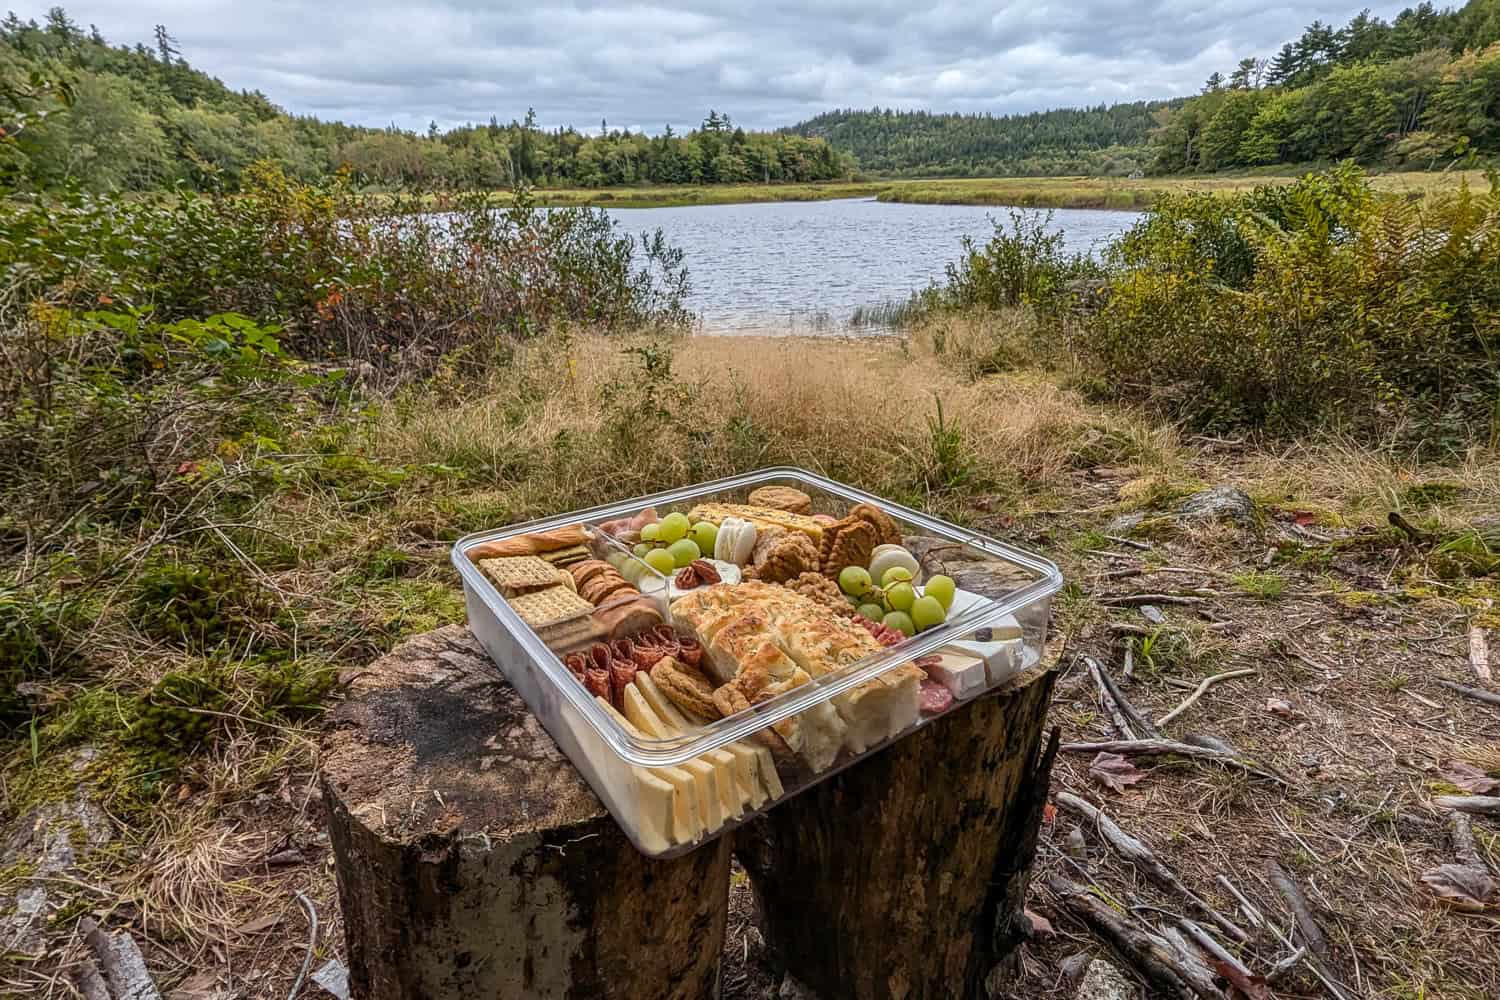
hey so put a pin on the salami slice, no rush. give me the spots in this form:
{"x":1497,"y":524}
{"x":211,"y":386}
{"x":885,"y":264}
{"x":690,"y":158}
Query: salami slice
{"x":691,"y":652}
{"x":935,"y":698}
{"x":597,"y":681}
{"x":577,"y":664}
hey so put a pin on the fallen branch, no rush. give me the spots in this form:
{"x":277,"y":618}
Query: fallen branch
{"x":124,"y":966}
{"x":1463,"y":841}
{"x":1479,"y":805}
{"x":1151,"y":955}
{"x":1477,"y":694}
{"x":1479,"y":655}
{"x":1251,"y":913}
{"x":1128,"y":671}
{"x":1129,"y":542}
{"x":1144,"y":859}
{"x":1200,"y":977}
{"x":1134,"y":600}
{"x":1206,"y":941}
{"x":1283,"y":968}
{"x":1208,"y":682}
{"x":1111,"y":707}
{"x":1312,"y":934}
{"x":1136,"y":725}
{"x":1158,"y":748}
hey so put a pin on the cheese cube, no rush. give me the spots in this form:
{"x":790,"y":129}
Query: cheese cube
{"x":961,"y":672}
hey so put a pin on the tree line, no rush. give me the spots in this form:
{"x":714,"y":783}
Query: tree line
{"x":137,"y":118}
{"x":1107,"y":140}
{"x":1421,"y":90}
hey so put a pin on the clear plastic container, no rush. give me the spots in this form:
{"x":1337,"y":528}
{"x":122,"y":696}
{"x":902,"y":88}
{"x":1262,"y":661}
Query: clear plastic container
{"x":675,"y":777}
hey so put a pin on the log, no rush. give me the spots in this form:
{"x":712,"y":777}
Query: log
{"x":905,"y":875}
{"x":474,"y":861}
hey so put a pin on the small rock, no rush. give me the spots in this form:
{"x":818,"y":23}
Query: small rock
{"x":1153,"y":614}
{"x":1124,"y":524}
{"x":1220,"y":503}
{"x":1074,"y":966}
{"x":1102,"y":981}
{"x":1074,"y":844}
{"x":333,"y":977}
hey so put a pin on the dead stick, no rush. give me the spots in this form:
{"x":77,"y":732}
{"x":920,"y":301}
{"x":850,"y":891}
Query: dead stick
{"x":1480,"y":805}
{"x":1142,"y":949}
{"x":1251,"y":913}
{"x":1470,"y":692}
{"x":1312,"y":934}
{"x":1463,"y":841}
{"x":1129,"y":542}
{"x":1206,"y":941}
{"x":1140,"y":725}
{"x":1198,"y":692}
{"x":1479,"y":655}
{"x":1283,"y":968}
{"x":1116,"y":714}
{"x":1134,"y":600}
{"x":1200,"y":976}
{"x":1129,"y":670}
{"x":1138,"y":854}
{"x":1158,"y":748}
{"x":124,"y":966}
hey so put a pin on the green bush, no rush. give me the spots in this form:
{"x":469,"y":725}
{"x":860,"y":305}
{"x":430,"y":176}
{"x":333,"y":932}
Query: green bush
{"x":1022,"y":264}
{"x":1319,"y":304}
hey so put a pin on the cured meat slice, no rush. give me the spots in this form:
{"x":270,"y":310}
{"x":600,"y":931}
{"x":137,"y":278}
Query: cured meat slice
{"x":935,"y":698}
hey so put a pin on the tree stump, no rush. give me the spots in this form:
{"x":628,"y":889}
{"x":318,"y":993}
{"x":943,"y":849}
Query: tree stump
{"x":474,"y":861}
{"x":905,"y":876}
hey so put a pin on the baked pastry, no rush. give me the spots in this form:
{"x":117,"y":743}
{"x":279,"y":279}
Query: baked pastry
{"x":532,"y":543}
{"x":782,"y":498}
{"x":686,"y":686}
{"x":781,"y":555}
{"x":823,"y":590}
{"x":598,"y":582}
{"x":761,"y":517}
{"x":847,"y":543}
{"x":516,"y":575}
{"x":890,"y":531}
{"x":625,"y":616}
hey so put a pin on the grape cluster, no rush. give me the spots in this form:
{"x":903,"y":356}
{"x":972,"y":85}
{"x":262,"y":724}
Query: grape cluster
{"x":896,"y":602}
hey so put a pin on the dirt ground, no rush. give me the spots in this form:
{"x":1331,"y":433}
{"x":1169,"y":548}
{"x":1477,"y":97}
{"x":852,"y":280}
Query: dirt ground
{"x":1346,"y":625}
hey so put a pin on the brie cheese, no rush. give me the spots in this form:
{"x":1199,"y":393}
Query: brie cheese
{"x":961,"y":672}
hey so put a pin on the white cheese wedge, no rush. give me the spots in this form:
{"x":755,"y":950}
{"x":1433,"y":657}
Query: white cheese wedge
{"x":962,"y":673}
{"x":765,"y":770}
{"x":656,"y":810}
{"x":737,"y":778}
{"x":687,"y":819}
{"x":706,"y":779}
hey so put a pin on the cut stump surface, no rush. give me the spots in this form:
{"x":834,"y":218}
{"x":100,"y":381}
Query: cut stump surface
{"x":474,"y":860}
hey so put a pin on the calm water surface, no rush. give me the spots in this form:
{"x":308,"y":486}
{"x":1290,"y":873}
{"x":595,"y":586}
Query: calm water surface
{"x":806,"y":266}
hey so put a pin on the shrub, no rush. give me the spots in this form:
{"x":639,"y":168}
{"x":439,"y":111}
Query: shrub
{"x":1310,"y":304}
{"x":1023,"y":263}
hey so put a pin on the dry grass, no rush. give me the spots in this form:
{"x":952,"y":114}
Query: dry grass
{"x":1359,"y":623}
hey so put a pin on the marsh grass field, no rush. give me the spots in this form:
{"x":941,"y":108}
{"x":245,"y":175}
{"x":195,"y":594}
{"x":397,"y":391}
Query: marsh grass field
{"x":1125,"y":193}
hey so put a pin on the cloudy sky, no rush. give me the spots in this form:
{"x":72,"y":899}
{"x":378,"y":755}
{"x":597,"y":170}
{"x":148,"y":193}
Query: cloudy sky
{"x":644,"y":65}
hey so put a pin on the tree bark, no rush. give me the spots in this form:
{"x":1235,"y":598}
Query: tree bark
{"x":905,"y":876}
{"x":474,"y":861}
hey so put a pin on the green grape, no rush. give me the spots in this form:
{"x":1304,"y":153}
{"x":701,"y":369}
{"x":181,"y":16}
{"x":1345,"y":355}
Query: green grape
{"x":661,"y":560}
{"x":896,"y":574}
{"x":683,"y":551}
{"x":901,"y":596}
{"x":617,"y":560}
{"x":927,"y":612}
{"x":901,"y":622}
{"x":854,"y":580}
{"x":874,"y":612}
{"x":704,"y":534}
{"x":943,"y":588}
{"x":632,"y":570}
{"x":672,"y":527}
{"x":642,"y":549}
{"x":650,"y":532}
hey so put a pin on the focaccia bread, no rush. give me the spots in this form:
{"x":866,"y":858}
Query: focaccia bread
{"x":750,"y":631}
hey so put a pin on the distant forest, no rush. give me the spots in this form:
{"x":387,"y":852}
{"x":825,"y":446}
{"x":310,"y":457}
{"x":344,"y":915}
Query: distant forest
{"x":1100,"y":140}
{"x":139,"y":117}
{"x":1420,"y":91}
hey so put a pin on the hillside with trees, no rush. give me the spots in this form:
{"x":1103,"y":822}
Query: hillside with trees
{"x":1420,"y":91}
{"x":1102,"y":140}
{"x":140,"y":117}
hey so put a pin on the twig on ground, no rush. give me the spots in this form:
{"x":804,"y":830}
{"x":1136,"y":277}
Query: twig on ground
{"x":1144,"y":859}
{"x":1200,"y":976}
{"x":1129,"y":542}
{"x":1135,"y":725}
{"x":1283,"y":968}
{"x":124,"y":966}
{"x":1480,"y":805}
{"x":1477,"y":694}
{"x":1407,"y":528}
{"x":1423,"y":700}
{"x":1463,"y":841}
{"x":1251,"y":913}
{"x":1206,"y":941}
{"x":1198,"y":692}
{"x":1479,"y":655}
{"x":1154,"y":957}
{"x":1130,"y":628}
{"x":312,"y":943}
{"x":1128,"y":672}
{"x":1312,"y":934}
{"x":1157,"y":748}
{"x":1133,"y":600}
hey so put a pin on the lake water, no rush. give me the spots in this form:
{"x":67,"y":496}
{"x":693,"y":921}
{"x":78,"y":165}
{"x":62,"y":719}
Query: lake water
{"x":806,"y":266}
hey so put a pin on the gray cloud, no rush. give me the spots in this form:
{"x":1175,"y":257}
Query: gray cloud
{"x":647,"y":64}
